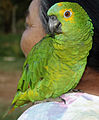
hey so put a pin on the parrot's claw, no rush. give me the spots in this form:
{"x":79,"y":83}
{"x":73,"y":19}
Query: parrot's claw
{"x":58,"y":99}
{"x":76,"y":90}
{"x":63,"y":100}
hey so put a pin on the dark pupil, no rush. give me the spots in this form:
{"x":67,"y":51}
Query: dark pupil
{"x":67,"y":14}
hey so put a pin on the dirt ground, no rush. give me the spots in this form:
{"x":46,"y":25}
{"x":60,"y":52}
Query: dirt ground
{"x":8,"y":85}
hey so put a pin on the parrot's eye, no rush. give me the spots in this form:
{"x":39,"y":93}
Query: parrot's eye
{"x":67,"y":14}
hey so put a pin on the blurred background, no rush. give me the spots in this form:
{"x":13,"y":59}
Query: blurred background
{"x":12,"y":24}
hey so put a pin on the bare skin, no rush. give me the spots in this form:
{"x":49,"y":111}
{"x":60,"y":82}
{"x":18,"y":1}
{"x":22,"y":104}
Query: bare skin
{"x":35,"y":32}
{"x":90,"y":82}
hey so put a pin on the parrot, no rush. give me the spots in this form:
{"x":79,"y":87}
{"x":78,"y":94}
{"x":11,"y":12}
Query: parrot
{"x":56,"y":64}
{"x":92,"y":9}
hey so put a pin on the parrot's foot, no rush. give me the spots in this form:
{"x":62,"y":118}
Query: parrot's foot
{"x":58,"y":99}
{"x":63,"y":100}
{"x":76,"y":90}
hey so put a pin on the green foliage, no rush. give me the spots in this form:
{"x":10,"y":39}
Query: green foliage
{"x":6,"y":65}
{"x":5,"y":14}
{"x":20,"y":25}
{"x":6,"y":10}
{"x":10,"y":45}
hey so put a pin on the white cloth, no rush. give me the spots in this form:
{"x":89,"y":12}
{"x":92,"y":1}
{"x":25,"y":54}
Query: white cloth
{"x":79,"y":106}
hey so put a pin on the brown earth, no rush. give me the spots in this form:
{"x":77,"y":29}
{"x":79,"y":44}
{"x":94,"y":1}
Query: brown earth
{"x":8,"y":85}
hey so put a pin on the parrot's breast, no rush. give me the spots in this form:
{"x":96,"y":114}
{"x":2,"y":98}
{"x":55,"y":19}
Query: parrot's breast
{"x":63,"y":74}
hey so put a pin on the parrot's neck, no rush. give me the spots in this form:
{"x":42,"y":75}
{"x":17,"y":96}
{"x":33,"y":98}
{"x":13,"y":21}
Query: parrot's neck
{"x":72,"y":49}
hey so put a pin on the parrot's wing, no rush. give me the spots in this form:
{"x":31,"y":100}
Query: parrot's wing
{"x":34,"y":66}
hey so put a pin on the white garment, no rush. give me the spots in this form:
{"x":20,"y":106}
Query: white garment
{"x":79,"y":106}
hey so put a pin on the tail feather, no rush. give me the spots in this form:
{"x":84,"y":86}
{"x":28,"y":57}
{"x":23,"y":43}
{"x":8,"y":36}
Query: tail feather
{"x":9,"y":111}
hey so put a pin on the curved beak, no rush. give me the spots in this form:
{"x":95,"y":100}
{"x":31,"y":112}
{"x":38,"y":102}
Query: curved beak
{"x":54,"y":25}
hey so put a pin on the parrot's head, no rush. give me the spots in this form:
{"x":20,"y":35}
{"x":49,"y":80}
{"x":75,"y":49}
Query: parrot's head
{"x":70,"y":19}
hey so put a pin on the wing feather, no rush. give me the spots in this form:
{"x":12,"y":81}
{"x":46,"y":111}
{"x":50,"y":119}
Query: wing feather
{"x":34,"y":66}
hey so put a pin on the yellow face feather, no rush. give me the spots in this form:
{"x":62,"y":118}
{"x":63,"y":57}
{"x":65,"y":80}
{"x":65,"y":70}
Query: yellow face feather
{"x":59,"y":4}
{"x":71,"y":18}
{"x":62,"y":12}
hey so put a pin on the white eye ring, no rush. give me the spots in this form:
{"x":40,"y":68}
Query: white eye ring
{"x":67,"y":14}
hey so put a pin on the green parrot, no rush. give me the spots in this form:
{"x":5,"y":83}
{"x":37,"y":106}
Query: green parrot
{"x":56,"y":64}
